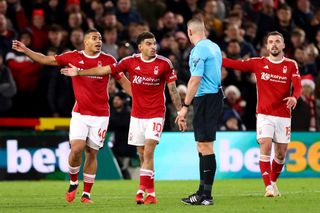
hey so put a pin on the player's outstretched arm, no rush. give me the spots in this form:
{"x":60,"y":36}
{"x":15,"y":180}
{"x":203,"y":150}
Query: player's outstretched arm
{"x":35,"y":56}
{"x":241,"y":65}
{"x":75,"y":71}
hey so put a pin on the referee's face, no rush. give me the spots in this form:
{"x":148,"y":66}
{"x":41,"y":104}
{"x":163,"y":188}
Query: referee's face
{"x":148,"y":48}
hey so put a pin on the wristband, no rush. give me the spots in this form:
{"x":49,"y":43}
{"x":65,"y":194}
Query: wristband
{"x":185,"y":105}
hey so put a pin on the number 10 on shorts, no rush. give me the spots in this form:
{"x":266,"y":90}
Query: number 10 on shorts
{"x":157,"y":127}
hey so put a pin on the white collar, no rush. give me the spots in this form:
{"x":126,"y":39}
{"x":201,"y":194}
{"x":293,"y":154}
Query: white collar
{"x":88,"y":56}
{"x":148,"y":61}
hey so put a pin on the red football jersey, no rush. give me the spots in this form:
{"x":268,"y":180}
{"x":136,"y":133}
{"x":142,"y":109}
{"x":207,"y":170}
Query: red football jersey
{"x":91,"y":92}
{"x":148,"y":79}
{"x":274,"y":80}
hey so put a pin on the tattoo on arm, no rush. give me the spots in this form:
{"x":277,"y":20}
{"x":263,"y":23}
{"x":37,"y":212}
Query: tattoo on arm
{"x":175,"y":97}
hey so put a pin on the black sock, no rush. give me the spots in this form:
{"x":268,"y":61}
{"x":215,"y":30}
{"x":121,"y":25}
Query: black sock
{"x":209,"y":171}
{"x":201,"y":184}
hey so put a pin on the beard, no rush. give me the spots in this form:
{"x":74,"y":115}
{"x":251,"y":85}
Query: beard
{"x":275,"y":52}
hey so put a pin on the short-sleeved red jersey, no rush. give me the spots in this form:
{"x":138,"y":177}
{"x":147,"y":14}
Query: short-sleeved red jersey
{"x":91,"y":92}
{"x":148,"y":79}
{"x":274,"y":80}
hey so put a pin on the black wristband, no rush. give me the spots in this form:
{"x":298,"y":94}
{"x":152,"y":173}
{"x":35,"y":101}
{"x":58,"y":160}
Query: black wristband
{"x":185,"y":105}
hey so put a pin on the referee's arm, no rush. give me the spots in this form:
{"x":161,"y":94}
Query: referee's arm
{"x":193,"y":85}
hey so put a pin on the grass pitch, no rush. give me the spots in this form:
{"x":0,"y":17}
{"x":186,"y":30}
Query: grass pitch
{"x":298,"y":195}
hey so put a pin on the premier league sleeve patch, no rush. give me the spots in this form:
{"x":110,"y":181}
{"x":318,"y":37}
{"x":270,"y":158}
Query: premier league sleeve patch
{"x":195,"y":61}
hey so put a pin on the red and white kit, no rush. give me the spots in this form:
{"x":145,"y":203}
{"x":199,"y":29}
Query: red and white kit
{"x":90,"y":116}
{"x":148,"y":80}
{"x":274,"y":81}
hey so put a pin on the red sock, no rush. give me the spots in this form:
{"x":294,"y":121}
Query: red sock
{"x":74,"y":177}
{"x":145,"y":176}
{"x":150,"y":188}
{"x":265,"y":169}
{"x":88,"y":181}
{"x":276,"y":170}
{"x":74,"y":173}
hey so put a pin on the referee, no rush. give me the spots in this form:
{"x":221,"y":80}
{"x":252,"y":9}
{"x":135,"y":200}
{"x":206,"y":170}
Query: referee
{"x":204,"y":87}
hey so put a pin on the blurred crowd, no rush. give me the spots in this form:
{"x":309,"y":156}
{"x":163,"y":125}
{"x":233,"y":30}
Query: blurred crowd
{"x":28,"y":89}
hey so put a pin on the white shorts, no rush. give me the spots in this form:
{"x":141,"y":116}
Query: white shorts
{"x":275,"y":127}
{"x":142,"y":129}
{"x":92,"y":129}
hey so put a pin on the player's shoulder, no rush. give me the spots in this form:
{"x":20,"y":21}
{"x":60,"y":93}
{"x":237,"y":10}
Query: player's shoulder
{"x":164,"y":59}
{"x":290,"y":61}
{"x":256,"y":59}
{"x":72,"y":52}
{"x":107,"y":56}
{"x":129,"y":58}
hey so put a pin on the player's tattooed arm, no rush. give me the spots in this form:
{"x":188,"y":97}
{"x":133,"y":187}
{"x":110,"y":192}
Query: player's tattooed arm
{"x":175,"y":97}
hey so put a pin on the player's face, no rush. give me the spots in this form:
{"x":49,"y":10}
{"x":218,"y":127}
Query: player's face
{"x":148,"y":47}
{"x":93,"y":42}
{"x":275,"y":45}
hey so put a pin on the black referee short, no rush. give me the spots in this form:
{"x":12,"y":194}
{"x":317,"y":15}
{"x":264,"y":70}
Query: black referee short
{"x":207,"y":111}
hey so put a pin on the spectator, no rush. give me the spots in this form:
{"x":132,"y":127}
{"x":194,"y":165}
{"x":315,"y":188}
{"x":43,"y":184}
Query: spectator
{"x":233,"y":32}
{"x":234,"y":99}
{"x":76,"y":39}
{"x":7,"y":88}
{"x":231,"y":121}
{"x":119,"y":125}
{"x":109,"y":45}
{"x":151,"y":11}
{"x":26,"y":74}
{"x":304,"y":115}
{"x":213,"y":24}
{"x":284,"y":22}
{"x":303,"y":15}
{"x":54,"y":13}
{"x":3,"y":11}
{"x":125,"y":14}
{"x":6,"y":35}
{"x":37,"y":27}
{"x":55,"y":36}
{"x":124,"y":49}
{"x":168,"y":23}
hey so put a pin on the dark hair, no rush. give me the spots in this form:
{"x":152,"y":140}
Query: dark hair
{"x":91,"y":31}
{"x":55,"y":28}
{"x":284,"y":7}
{"x":274,"y":33}
{"x":143,"y":36}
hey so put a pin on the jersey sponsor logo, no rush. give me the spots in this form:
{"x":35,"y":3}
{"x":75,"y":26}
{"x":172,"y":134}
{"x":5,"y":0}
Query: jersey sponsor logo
{"x":156,"y":70}
{"x":137,"y":68}
{"x":266,"y":67}
{"x":285,"y":69}
{"x":146,"y":80}
{"x":275,"y":78}
{"x":81,"y":62}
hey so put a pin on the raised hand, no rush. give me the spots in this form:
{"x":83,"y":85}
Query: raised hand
{"x":19,"y":46}
{"x":70,"y":71}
